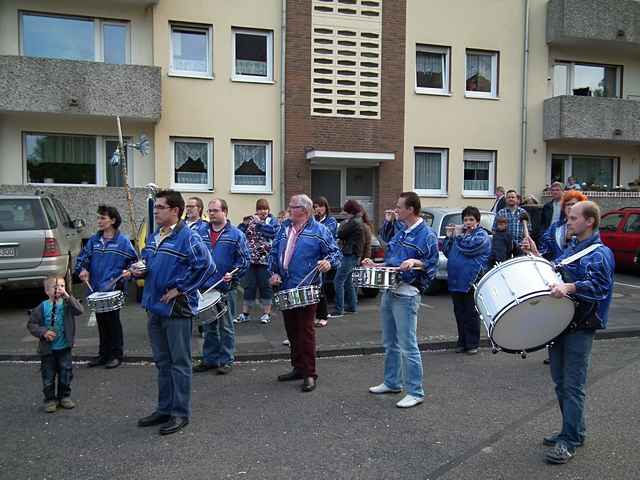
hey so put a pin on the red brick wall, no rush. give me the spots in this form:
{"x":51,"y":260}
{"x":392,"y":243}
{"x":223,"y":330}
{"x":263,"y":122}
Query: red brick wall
{"x":305,"y":132}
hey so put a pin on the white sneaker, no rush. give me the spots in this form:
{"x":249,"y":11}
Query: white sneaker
{"x":265,"y":318}
{"x":382,"y":388}
{"x":242,"y":318}
{"x":409,"y":401}
{"x":286,"y":342}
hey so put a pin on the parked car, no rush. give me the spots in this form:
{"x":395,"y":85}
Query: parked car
{"x":438,"y":218}
{"x":38,"y":238}
{"x":620,"y":231}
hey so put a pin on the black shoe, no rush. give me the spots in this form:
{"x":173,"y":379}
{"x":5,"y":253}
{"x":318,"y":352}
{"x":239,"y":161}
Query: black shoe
{"x":203,"y":367}
{"x":175,"y":424}
{"x":292,"y":375}
{"x":460,"y":349}
{"x":113,"y":363}
{"x":154,"y":419}
{"x":309,"y":384}
{"x":224,"y":369}
{"x":546,"y":361}
{"x":96,"y":362}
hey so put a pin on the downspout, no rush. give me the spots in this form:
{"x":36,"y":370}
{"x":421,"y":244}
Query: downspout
{"x":283,"y":39}
{"x":525,"y":96}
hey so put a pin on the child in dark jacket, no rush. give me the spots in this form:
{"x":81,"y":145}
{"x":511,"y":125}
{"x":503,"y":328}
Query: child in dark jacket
{"x":53,"y":322}
{"x":503,"y":247}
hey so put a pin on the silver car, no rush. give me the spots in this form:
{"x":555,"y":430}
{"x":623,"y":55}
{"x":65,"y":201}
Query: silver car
{"x":438,"y":219}
{"x":38,"y":238}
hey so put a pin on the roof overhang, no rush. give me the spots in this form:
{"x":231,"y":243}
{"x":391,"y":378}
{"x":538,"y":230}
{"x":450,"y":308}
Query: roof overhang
{"x":355,"y":159}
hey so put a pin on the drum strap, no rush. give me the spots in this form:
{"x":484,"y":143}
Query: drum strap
{"x":579,"y":255}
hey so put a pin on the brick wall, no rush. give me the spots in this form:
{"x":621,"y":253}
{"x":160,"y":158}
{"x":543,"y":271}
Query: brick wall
{"x":304,"y":132}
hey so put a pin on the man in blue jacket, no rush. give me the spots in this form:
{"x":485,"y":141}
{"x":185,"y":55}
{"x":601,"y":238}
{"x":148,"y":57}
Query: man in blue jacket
{"x":229,"y":251}
{"x":415,"y":251}
{"x":178,"y":263}
{"x":590,"y":281}
{"x":101,"y":261}
{"x":301,"y":245}
{"x":194,"y":208}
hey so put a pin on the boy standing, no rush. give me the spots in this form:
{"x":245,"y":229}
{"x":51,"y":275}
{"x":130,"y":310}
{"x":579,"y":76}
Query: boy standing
{"x":53,"y":322}
{"x":502,"y":245}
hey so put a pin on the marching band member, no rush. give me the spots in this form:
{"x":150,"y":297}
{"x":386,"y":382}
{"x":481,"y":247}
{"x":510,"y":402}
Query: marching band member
{"x":556,"y":237}
{"x":178,"y":263}
{"x":102,"y":260}
{"x":590,"y":281}
{"x":301,"y":245}
{"x":229,"y":251}
{"x":414,"y":247}
{"x":321,"y":212}
{"x":194,"y":208}
{"x":467,"y":252}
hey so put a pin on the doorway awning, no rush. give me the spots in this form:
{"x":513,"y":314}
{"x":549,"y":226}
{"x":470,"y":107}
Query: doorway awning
{"x":355,"y":159}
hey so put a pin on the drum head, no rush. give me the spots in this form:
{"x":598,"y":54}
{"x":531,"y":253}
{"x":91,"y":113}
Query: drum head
{"x":208,"y":299}
{"x":533,"y":323}
{"x":104,"y":295}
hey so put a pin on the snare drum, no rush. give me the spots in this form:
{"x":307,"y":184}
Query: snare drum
{"x":516,"y":308}
{"x":297,"y":297}
{"x":211,"y":306}
{"x":376,"y":277}
{"x":102,"y":302}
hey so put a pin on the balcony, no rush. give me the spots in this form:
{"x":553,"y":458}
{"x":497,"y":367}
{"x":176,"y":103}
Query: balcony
{"x":609,"y":120}
{"x":593,"y":23}
{"x":43,"y":85}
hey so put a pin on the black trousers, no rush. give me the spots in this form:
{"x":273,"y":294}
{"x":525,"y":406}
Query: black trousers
{"x":467,"y":319}
{"x":110,"y":331}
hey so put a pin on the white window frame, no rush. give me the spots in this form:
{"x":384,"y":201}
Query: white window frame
{"x":446,"y":51}
{"x":98,"y":32}
{"x":192,"y":187}
{"x":570,"y":76}
{"x":444,"y":172}
{"x":174,"y":72}
{"x":489,"y":193}
{"x":236,"y":77}
{"x":268,"y":187}
{"x":494,"y":74}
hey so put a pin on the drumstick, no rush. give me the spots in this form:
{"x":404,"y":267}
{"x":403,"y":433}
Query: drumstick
{"x":312,"y":271}
{"x":220,"y":281}
{"x":88,"y":285}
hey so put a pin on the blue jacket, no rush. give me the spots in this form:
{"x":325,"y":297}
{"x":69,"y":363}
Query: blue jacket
{"x":331,"y":223}
{"x":180,"y":261}
{"x":315,"y":243}
{"x":201,"y":227}
{"x":420,"y":243}
{"x":592,"y":275}
{"x":388,"y":230}
{"x":105,"y":262}
{"x":554,"y":240}
{"x":230,"y":252}
{"x":467,"y":256}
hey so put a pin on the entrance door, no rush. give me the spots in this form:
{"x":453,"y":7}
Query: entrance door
{"x":328,"y":184}
{"x":339,"y":184}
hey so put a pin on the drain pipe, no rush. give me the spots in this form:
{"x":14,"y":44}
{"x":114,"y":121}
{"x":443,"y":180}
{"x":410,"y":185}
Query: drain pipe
{"x":283,"y":39}
{"x":525,"y":96}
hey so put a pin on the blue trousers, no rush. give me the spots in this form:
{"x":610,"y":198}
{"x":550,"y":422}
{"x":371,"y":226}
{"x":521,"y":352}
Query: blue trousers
{"x":345,"y":291}
{"x":219,"y":343}
{"x":58,"y":365}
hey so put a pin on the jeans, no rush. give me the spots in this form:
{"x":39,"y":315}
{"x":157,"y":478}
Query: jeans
{"x":171,"y":346}
{"x":219,"y":340}
{"x":344,"y":284}
{"x":257,"y":278}
{"x":56,"y":364}
{"x":402,"y":359}
{"x":298,"y":322}
{"x":570,"y":356}
{"x":467,"y":319}
{"x":110,"y":333}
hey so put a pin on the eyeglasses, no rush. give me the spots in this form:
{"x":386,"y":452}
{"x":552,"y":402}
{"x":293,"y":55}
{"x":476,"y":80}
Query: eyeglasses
{"x":295,"y":206}
{"x":190,"y":206}
{"x":161,"y":207}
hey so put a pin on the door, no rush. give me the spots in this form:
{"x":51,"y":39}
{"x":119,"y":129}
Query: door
{"x":328,"y":183}
{"x":359,"y":186}
{"x":611,"y":233}
{"x":344,"y":183}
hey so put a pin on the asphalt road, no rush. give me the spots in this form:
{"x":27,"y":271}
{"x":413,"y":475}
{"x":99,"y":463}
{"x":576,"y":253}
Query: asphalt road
{"x":483,"y":418}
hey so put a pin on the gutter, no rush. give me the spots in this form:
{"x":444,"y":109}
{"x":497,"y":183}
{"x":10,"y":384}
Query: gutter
{"x":283,"y":39}
{"x":525,"y":99}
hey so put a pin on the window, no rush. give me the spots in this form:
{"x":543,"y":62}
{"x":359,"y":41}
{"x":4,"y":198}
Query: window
{"x":191,"y":50}
{"x":115,"y":171}
{"x":96,"y":40}
{"x":22,"y":214}
{"x":481,"y":74}
{"x":633,"y":224}
{"x":587,"y":80}
{"x":479,"y":173}
{"x":610,"y":222}
{"x":66,"y":159}
{"x":251,"y":167}
{"x":431,"y":172}
{"x":591,"y":172}
{"x":192,"y":160}
{"x":252,"y":55}
{"x":432,"y":69}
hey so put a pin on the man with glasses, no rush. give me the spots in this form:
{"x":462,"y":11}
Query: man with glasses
{"x":229,"y":250}
{"x":178,"y":263}
{"x":193,"y":218}
{"x":302,"y":245}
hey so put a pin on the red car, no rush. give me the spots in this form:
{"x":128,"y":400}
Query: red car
{"x":620,"y":231}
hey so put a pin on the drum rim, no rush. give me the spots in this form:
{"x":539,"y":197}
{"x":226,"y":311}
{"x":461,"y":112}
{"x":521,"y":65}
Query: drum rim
{"x":306,"y":287}
{"x":115,"y":294}
{"x":485,"y":278}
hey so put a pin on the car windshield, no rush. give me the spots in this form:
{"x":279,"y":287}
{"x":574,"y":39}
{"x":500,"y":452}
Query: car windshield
{"x":18,"y":214}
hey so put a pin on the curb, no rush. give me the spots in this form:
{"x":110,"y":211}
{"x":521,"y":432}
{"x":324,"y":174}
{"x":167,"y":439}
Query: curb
{"x":609,"y":334}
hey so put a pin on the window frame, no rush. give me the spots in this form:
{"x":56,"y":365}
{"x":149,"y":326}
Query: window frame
{"x":490,"y":192}
{"x":443,"y":191}
{"x":98,"y":33}
{"x":570,"y":76}
{"x":446,"y":51}
{"x":495,"y":72}
{"x":192,"y":187}
{"x":268,"y":34}
{"x":129,"y":154}
{"x":174,"y":72}
{"x":568,"y":166}
{"x":268,"y":187}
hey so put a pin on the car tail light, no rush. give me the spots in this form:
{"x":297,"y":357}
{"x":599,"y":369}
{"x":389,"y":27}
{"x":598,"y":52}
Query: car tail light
{"x":51,"y":248}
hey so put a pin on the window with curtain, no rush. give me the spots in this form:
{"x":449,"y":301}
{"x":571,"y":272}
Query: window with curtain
{"x":251,"y":166}
{"x":430,"y":171}
{"x":432,"y":69}
{"x":253,"y":55}
{"x":595,"y":172}
{"x":481,"y":74}
{"x":66,"y":159}
{"x":192,"y":164}
{"x":479,"y":172}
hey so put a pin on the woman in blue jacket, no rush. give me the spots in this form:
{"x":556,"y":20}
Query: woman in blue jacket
{"x":321,"y":210}
{"x":103,"y":258}
{"x":467,"y":253}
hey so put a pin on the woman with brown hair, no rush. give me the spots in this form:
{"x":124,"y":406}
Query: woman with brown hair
{"x":321,"y":209}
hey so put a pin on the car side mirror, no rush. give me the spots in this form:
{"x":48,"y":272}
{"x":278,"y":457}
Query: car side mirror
{"x":78,"y":224}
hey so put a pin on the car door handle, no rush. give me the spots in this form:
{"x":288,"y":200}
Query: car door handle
{"x":10,"y":244}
